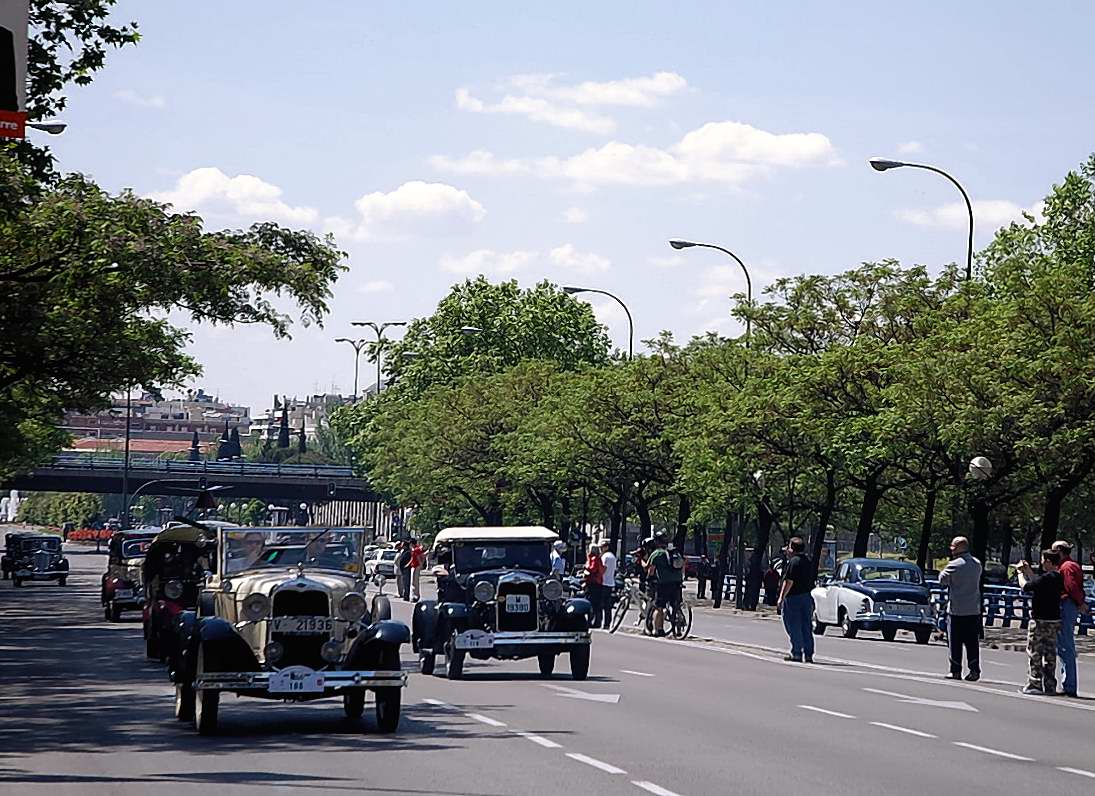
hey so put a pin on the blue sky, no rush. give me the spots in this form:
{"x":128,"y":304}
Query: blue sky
{"x":572,"y":140}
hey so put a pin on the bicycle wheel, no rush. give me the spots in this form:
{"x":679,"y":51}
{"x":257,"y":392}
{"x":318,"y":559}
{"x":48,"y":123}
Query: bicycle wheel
{"x":619,"y":612}
{"x":682,"y":620}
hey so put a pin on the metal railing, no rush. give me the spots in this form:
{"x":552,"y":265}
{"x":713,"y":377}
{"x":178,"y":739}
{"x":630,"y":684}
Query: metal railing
{"x":1007,"y":605}
{"x":90,"y":461}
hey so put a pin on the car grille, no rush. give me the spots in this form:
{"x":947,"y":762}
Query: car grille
{"x":301,"y":650}
{"x":301,"y":603}
{"x":517,"y":621}
{"x":41,"y":562}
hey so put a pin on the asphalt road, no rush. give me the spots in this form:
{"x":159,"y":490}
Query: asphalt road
{"x":82,"y":712}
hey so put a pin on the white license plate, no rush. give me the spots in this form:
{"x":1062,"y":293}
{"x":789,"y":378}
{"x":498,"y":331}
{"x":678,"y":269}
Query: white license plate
{"x":474,"y":640}
{"x":296,"y":680}
{"x":518,"y":604}
{"x":302,"y":625}
{"x":123,"y":594}
{"x":904,"y":610}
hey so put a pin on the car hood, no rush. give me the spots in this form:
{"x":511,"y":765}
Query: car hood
{"x":893,"y":590}
{"x":269,"y":582}
{"x":496,"y":576}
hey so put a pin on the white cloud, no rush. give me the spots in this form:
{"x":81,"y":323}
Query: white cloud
{"x":575,"y":215}
{"x":726,"y":152}
{"x":636,"y":92}
{"x":669,"y":261}
{"x":910,"y":148}
{"x":210,"y":189}
{"x":570,"y":258}
{"x":487,"y":262}
{"x":987,"y":214}
{"x":376,"y":286}
{"x":414,"y":206}
{"x":538,"y":109}
{"x":131,"y":97}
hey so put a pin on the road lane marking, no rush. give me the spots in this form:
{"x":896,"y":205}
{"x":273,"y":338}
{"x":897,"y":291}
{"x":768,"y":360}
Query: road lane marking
{"x":932,"y":703}
{"x":608,"y":768}
{"x":996,"y":752}
{"x":650,"y":787}
{"x":573,"y":693}
{"x":437,"y":703}
{"x":1078,"y":771}
{"x":486,"y":719}
{"x":547,"y":743}
{"x":907,"y":730}
{"x":827,"y":712}
{"x":637,"y":674}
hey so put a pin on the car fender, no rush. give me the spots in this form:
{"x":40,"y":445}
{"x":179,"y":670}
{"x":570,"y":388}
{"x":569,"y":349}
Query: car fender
{"x":820,"y":595}
{"x":424,"y":624}
{"x":223,"y":649}
{"x":367,"y":647}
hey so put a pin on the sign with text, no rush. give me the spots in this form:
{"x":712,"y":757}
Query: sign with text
{"x":13,"y":68}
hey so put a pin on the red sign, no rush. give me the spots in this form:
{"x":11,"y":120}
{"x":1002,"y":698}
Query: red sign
{"x":13,"y":124}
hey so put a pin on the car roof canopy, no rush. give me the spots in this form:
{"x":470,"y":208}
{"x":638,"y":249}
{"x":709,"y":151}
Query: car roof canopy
{"x":519,"y":533}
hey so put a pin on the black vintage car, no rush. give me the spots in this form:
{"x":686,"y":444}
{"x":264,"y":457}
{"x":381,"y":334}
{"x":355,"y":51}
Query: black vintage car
{"x":122,"y":586}
{"x":173,"y":573}
{"x":34,"y":556}
{"x":498,"y":599}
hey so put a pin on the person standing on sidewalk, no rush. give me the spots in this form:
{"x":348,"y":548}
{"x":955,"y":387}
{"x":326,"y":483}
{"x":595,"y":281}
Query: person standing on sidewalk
{"x":1073,"y":604}
{"x":703,"y":574}
{"x":403,"y":569}
{"x":608,"y":582}
{"x":962,"y":577}
{"x":796,"y":603}
{"x":595,"y":569}
{"x":418,"y":560}
{"x":1045,"y":622}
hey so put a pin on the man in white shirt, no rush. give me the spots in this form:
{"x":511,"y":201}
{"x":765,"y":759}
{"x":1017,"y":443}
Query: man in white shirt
{"x":558,"y":563}
{"x":608,"y":581}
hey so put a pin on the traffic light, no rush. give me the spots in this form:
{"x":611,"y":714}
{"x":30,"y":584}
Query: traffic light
{"x":332,"y":488}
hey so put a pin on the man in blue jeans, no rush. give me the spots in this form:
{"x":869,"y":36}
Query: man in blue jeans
{"x":796,"y":603}
{"x":1073,"y":605}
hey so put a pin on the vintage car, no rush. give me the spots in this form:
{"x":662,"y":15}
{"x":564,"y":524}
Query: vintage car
{"x":498,"y":599}
{"x":875,"y":594}
{"x":34,"y":556}
{"x":122,"y":585}
{"x":177,"y":562}
{"x":284,"y":615}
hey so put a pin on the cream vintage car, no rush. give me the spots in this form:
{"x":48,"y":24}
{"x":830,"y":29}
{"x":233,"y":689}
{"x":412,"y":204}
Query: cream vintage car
{"x":286,"y":616}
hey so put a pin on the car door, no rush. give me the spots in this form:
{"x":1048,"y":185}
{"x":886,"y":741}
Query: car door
{"x":836,"y":590}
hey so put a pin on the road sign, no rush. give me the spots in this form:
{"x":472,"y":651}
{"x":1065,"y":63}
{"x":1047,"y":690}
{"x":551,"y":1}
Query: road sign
{"x":901,"y":542}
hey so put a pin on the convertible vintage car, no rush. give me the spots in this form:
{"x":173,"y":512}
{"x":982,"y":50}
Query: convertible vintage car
{"x":875,"y":594}
{"x":122,"y":585}
{"x":498,"y":599}
{"x":284,"y":615}
{"x":176,"y":565}
{"x":33,"y":556}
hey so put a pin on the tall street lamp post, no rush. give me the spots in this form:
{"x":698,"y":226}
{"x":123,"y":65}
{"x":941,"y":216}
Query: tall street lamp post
{"x":687,"y":244}
{"x":630,"y":323}
{"x":358,"y":345}
{"x":125,"y":459}
{"x":882,"y":164}
{"x":379,"y":330}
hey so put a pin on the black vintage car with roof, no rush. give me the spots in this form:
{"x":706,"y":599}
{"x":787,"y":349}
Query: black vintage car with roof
{"x":122,"y":585}
{"x":498,"y":599}
{"x":175,"y":567}
{"x":34,"y":556}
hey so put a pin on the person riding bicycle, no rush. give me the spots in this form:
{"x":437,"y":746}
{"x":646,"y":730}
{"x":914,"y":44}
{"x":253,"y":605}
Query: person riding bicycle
{"x":667,"y":565}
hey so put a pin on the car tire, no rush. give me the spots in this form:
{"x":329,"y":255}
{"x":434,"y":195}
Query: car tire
{"x":115,"y":613}
{"x":106,"y":611}
{"x":382,"y":609}
{"x":388,"y":702}
{"x":454,"y":659}
{"x":579,"y":662}
{"x":17,"y":581}
{"x":848,"y":628}
{"x":62,"y":581}
{"x":150,"y":650}
{"x":426,"y":662}
{"x":889,"y":633}
{"x":206,"y":708}
{"x":819,"y":626}
{"x":184,"y":702}
{"x":353,"y":704}
{"x":923,"y":636}
{"x":547,"y":664}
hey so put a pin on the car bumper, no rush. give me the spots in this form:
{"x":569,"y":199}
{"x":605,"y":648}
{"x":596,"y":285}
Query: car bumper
{"x":333,"y":682}
{"x":51,"y":574}
{"x":878,"y":620}
{"x":521,"y":644}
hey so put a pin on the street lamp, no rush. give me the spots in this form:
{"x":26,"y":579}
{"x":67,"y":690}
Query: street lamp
{"x":570,"y":291}
{"x":52,"y":128}
{"x":379,"y":330}
{"x":358,"y":346}
{"x":687,"y":244}
{"x":882,"y":164}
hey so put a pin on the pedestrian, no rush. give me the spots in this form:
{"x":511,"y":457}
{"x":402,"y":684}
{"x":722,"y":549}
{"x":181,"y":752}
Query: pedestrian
{"x":595,"y":569}
{"x":1045,"y":622}
{"x":703,"y":574}
{"x":558,"y":562}
{"x":665,"y":566}
{"x":796,"y":602}
{"x":608,"y":582}
{"x":1073,"y":605}
{"x":418,"y":561}
{"x":403,"y":570}
{"x":771,"y":584}
{"x":962,"y":577}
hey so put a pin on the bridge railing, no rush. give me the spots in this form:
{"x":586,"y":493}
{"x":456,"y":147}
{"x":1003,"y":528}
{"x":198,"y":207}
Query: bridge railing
{"x":88,"y":461}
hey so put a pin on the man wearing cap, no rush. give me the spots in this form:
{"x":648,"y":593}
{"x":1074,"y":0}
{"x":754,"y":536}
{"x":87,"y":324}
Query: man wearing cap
{"x":1073,"y":604}
{"x":558,"y":563}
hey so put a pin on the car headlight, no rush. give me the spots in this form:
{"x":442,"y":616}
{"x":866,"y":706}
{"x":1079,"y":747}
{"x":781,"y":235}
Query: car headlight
{"x":173,"y":589}
{"x":552,"y":589}
{"x":331,"y":651}
{"x":352,"y":607}
{"x":274,"y":652}
{"x":255,"y":607}
{"x":379,"y":580}
{"x":484,"y":591}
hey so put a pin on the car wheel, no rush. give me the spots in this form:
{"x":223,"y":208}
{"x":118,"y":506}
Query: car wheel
{"x":206,"y":707}
{"x":382,"y":609}
{"x":819,"y":626}
{"x":62,"y":581}
{"x":426,"y":662}
{"x":184,"y":702}
{"x":848,"y":628}
{"x":150,"y":650}
{"x":106,"y":610}
{"x":387,"y":708}
{"x":115,"y":613}
{"x":579,"y":662}
{"x":923,"y":636}
{"x":454,"y":660}
{"x":547,"y":664}
{"x":17,"y":581}
{"x":889,"y":633}
{"x":353,"y":703}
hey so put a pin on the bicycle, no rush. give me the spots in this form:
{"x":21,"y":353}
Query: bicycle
{"x":679,"y":615}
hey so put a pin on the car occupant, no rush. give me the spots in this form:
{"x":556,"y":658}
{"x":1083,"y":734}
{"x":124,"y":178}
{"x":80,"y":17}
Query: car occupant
{"x":668,"y":567}
{"x":558,"y":563}
{"x":250,"y":552}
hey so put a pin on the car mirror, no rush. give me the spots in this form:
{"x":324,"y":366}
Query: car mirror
{"x":379,"y":580}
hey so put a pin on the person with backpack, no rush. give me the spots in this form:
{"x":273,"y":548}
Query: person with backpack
{"x":666,"y":564}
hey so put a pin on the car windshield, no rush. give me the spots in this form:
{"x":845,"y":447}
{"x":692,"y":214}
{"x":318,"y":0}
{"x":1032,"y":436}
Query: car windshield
{"x":477,"y":556}
{"x":49,"y":543}
{"x":387,"y":555}
{"x":883,"y":572}
{"x":135,"y":548}
{"x":280,"y":548}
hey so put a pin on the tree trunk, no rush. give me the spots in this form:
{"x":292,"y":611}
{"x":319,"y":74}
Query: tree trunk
{"x":616,"y":528}
{"x":1005,"y":547}
{"x":926,"y":529}
{"x":699,"y":539}
{"x":871,"y":495}
{"x":1028,"y":542}
{"x":824,"y":516}
{"x":547,"y":510}
{"x":493,"y":515}
{"x":756,"y":574}
{"x":643,"y":510}
{"x":566,"y":516}
{"x":979,"y":544}
{"x":1051,"y":516}
{"x":722,"y":563}
{"x":684,"y":513}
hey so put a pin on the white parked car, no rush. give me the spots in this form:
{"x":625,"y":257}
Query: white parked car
{"x":875,"y":594}
{"x":382,"y":563}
